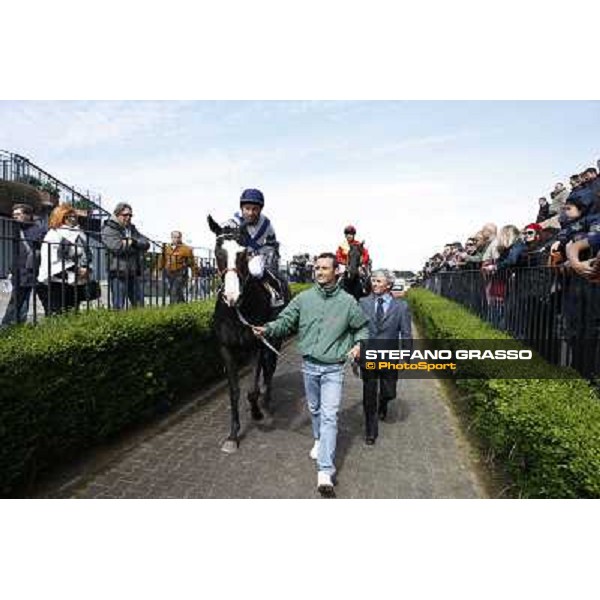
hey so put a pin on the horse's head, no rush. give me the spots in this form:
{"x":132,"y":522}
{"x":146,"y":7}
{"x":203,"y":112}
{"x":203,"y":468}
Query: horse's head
{"x":354,"y":258}
{"x":232,"y":258}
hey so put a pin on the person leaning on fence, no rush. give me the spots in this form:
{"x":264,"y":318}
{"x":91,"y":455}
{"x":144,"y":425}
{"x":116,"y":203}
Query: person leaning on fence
{"x":589,"y":267}
{"x":576,"y":223}
{"x":26,"y":235}
{"x":330,"y":324}
{"x":65,"y":265}
{"x":389,"y":318}
{"x":126,"y":247}
{"x":175,"y":262}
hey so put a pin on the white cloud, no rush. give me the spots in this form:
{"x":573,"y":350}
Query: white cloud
{"x":60,"y":126}
{"x":404,"y":220}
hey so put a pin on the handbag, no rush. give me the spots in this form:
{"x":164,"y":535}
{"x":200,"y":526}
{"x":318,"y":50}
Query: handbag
{"x":89,"y":291}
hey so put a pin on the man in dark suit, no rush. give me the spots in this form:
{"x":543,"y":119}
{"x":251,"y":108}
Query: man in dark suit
{"x":389,"y":318}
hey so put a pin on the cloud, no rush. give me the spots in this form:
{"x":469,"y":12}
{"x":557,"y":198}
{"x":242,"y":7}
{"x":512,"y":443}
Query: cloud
{"x":65,"y":126}
{"x":177,"y":161}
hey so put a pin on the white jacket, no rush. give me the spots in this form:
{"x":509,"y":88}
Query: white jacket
{"x":63,"y":249}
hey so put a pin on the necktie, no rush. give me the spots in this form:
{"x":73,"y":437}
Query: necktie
{"x":379,"y":312}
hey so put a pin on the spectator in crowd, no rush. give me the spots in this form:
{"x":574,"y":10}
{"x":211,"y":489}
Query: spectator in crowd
{"x":471,"y":244}
{"x":65,"y":266}
{"x":176,"y":262}
{"x":447,"y":262}
{"x":330,"y":324}
{"x":490,"y":242}
{"x":589,"y":267}
{"x":126,"y":248}
{"x":475,"y":247}
{"x":591,"y":183}
{"x":538,"y":302}
{"x":544,"y":210}
{"x":576,"y":223}
{"x":558,"y":196}
{"x":26,"y":235}
{"x":575,"y":182}
{"x":509,"y":247}
{"x":450,"y":256}
{"x":531,"y":253}
{"x":389,"y":318}
{"x":208,"y":280}
{"x":584,"y":190}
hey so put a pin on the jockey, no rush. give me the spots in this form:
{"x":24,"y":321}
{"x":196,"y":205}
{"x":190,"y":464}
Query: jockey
{"x":341,"y":254}
{"x":262,"y":245}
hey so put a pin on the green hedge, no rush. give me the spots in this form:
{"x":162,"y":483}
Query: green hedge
{"x":73,"y":381}
{"x":546,"y":432}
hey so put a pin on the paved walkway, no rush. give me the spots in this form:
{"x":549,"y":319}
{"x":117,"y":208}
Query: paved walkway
{"x":419,"y":452}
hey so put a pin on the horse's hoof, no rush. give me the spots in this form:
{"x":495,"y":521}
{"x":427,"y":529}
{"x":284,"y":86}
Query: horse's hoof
{"x":230,"y":446}
{"x":253,"y":397}
{"x":257,"y":414}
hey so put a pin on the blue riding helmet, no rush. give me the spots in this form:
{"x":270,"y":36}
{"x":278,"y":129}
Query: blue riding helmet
{"x":252,"y":196}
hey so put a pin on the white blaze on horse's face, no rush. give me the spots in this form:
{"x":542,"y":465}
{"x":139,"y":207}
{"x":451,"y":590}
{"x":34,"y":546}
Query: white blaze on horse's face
{"x":232,"y":282}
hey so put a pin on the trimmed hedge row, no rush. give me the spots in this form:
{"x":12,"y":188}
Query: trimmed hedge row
{"x":75,"y":380}
{"x":546,"y":432}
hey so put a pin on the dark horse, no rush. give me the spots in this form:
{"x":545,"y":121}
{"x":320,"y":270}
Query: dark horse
{"x":352,"y":282}
{"x":242,"y":301}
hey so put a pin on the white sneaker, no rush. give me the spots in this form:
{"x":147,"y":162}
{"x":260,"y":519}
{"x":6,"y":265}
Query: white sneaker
{"x":314,"y":451}
{"x":324,"y":483}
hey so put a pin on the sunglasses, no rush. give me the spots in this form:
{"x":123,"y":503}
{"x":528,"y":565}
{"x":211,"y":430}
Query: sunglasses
{"x":530,"y":233}
{"x":127,"y":214}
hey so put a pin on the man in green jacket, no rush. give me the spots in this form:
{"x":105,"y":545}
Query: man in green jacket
{"x":330,"y":324}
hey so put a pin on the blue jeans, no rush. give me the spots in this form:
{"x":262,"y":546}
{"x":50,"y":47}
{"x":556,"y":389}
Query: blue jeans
{"x":125,"y":287}
{"x":323,"y":386}
{"x":18,"y":306}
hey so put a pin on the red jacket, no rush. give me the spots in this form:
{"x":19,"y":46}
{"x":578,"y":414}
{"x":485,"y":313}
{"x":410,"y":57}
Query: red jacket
{"x":341,"y":254}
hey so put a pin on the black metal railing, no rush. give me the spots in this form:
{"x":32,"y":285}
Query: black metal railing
{"x":47,"y":278}
{"x":19,"y":169}
{"x":552,"y":309}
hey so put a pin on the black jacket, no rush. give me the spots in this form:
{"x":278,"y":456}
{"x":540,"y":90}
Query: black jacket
{"x":543,"y":213}
{"x":26,"y":244}
{"x":124,"y":261}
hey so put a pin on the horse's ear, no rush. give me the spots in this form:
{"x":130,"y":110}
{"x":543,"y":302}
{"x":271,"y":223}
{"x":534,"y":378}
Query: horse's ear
{"x":214,"y":226}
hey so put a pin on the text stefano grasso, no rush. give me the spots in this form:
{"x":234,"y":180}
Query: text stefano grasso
{"x":409,"y":355}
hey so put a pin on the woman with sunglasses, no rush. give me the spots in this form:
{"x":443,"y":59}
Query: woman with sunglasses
{"x":65,"y":267}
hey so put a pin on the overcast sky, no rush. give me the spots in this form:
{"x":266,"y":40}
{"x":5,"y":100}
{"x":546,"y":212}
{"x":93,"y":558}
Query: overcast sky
{"x":409,"y":175}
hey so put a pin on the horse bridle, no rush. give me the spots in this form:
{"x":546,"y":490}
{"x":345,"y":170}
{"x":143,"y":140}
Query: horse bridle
{"x":243,"y":320}
{"x":223,"y":272}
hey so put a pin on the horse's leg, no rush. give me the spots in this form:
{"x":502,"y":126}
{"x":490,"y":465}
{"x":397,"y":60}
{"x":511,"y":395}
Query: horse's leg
{"x":232,"y":443}
{"x":254,"y":394}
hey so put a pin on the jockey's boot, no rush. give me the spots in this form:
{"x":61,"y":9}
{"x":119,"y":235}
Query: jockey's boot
{"x":273,"y":286}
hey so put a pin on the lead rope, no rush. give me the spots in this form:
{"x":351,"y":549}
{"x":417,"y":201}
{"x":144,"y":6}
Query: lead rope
{"x":262,"y":339}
